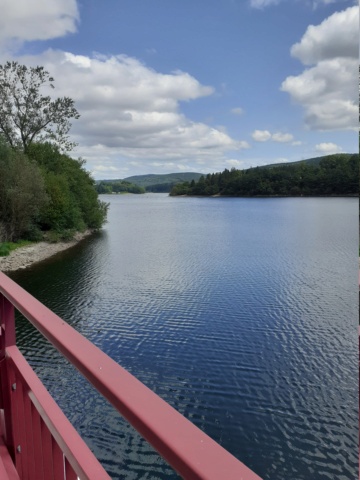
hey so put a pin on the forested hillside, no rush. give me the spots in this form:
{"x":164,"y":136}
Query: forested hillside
{"x":330,"y":175}
{"x":162,"y":182}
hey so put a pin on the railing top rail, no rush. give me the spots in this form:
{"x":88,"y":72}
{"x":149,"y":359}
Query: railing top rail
{"x":185,"y":447}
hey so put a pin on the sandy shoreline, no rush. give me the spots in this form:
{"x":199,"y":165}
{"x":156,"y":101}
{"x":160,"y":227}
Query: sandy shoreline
{"x":25,"y":256}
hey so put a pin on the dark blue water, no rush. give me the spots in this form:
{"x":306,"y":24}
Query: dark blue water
{"x":241,"y":313}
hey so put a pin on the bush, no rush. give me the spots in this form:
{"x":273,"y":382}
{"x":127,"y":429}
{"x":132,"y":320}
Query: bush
{"x":33,"y":234}
{"x":54,"y":236}
{"x":4,"y":249}
{"x":73,"y":199}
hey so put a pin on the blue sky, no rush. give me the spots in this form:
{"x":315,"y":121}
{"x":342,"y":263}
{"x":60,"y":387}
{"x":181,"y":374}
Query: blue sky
{"x":195,"y":85}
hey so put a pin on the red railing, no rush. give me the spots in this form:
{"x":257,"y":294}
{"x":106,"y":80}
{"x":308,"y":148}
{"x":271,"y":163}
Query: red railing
{"x":41,"y":441}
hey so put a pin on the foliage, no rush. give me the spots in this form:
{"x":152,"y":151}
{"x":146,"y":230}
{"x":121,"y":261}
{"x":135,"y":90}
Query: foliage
{"x":146,"y":183}
{"x":159,"y":182}
{"x":7,"y":247}
{"x":4,"y":250}
{"x":330,"y":175}
{"x":45,"y":191}
{"x":41,"y":188}
{"x":54,"y":236}
{"x":26,"y":115}
{"x":22,"y":194}
{"x":73,"y":201}
{"x":118,"y":186}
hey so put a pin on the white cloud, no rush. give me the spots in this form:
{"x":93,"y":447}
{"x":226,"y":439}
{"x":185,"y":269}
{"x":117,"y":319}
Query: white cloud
{"x":328,"y":148}
{"x":316,"y":3}
{"x":263,"y":3}
{"x":233,"y":163}
{"x":237,"y":111}
{"x":22,"y":20}
{"x":282,"y":137}
{"x":130,"y":112}
{"x":297,"y":143}
{"x":261,"y":135}
{"x":265,"y":135}
{"x":103,"y":168}
{"x":337,"y":36}
{"x":328,"y":91}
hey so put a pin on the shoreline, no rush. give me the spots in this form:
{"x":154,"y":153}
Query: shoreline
{"x":26,"y":256}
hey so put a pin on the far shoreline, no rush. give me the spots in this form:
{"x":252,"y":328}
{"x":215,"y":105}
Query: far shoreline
{"x":26,"y":256}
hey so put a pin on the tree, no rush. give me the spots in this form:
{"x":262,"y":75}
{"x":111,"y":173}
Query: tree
{"x":73,"y":201}
{"x":26,"y":115}
{"x":22,"y":194}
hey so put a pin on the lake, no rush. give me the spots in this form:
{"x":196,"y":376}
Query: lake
{"x":241,"y":313}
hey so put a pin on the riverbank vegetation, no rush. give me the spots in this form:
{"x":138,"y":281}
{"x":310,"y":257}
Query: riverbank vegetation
{"x":44,"y":193}
{"x":329,"y":175}
{"x":118,"y":186}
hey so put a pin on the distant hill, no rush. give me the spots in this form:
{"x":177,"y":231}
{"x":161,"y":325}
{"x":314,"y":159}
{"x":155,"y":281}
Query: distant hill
{"x":162,"y":183}
{"x":310,"y":161}
{"x":155,"y":182}
{"x":152,"y":180}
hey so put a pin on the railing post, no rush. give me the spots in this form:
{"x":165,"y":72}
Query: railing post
{"x":7,"y":339}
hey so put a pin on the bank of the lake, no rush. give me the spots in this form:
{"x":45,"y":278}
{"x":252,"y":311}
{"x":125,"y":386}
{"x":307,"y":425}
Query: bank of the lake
{"x":27,"y":255}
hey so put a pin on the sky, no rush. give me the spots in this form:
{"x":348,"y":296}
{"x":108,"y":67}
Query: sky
{"x":166,"y":86}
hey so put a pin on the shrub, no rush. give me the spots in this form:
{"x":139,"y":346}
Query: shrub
{"x":4,"y":249}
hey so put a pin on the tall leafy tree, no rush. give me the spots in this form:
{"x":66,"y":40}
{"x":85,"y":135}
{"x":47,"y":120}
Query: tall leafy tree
{"x":22,"y":194}
{"x":26,"y":115}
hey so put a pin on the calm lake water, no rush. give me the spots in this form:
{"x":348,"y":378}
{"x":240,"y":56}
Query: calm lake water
{"x":241,"y":313}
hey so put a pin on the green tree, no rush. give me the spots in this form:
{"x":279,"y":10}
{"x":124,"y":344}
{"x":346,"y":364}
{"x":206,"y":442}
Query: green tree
{"x":73,"y":199}
{"x":26,"y":115}
{"x":22,"y":195}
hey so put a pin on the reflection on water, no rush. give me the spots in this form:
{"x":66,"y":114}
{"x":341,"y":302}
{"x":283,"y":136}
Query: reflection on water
{"x":241,"y":313}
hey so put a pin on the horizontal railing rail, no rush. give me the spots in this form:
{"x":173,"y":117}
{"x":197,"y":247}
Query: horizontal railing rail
{"x":192,"y":453}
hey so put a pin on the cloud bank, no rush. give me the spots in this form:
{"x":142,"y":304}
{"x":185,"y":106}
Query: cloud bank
{"x":130,"y":111}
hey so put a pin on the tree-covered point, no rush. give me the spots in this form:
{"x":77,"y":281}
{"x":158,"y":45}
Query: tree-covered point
{"x":45,"y":192}
{"x":331,"y":175}
{"x":118,"y":186}
{"x":42,"y":190}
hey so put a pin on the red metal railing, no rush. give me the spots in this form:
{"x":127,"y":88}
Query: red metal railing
{"x":43,"y":444}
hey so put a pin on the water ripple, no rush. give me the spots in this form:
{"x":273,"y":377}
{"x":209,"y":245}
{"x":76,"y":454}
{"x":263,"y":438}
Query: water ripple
{"x":238,"y":312}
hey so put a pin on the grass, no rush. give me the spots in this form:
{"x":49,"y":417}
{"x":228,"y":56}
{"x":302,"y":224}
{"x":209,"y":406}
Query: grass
{"x":7,"y":247}
{"x":51,"y":236}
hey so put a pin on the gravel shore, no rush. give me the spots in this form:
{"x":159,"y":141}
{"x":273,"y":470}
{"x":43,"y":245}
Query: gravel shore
{"x":25,"y":256}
